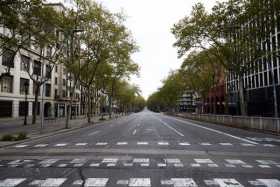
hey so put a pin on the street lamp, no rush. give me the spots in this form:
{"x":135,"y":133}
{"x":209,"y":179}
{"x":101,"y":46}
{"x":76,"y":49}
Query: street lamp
{"x":26,"y":86}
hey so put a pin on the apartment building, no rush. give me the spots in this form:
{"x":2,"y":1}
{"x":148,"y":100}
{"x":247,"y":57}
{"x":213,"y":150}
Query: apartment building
{"x":262,"y":78}
{"x":187,"y":102}
{"x":17,"y":90}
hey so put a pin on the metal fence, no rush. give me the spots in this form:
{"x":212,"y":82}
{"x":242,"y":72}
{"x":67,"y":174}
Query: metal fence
{"x":259,"y":123}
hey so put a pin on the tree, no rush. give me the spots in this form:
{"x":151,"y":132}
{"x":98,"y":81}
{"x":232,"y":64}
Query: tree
{"x":221,"y":30}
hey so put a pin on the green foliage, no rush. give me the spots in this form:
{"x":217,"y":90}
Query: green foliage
{"x":16,"y":137}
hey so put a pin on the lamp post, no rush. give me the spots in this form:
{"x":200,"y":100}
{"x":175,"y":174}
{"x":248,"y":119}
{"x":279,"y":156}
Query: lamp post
{"x":26,"y":86}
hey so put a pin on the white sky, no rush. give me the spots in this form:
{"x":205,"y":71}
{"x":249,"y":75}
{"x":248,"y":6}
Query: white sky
{"x":150,"y":22}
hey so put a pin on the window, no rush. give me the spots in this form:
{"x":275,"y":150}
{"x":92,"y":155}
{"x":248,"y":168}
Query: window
{"x":56,"y":69}
{"x":8,"y":58}
{"x":24,"y":63}
{"x":64,"y":93}
{"x":48,"y":71}
{"x":48,"y":90}
{"x":37,"y":68}
{"x":64,"y":82}
{"x":55,"y":93}
{"x":7,"y":84}
{"x":55,"y":81}
{"x":24,"y":86}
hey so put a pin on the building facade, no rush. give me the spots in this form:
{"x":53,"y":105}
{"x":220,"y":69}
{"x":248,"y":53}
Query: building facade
{"x":187,"y":102}
{"x":17,"y":89}
{"x":262,"y":79}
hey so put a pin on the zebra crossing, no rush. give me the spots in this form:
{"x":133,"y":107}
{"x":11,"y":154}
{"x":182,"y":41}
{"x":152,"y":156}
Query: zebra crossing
{"x":138,"y":182}
{"x":142,"y":143}
{"x":159,"y":163}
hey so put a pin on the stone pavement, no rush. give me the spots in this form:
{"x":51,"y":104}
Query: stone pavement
{"x":13,"y":126}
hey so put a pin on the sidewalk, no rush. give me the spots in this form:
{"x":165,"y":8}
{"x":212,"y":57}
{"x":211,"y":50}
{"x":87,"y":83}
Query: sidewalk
{"x":53,"y":126}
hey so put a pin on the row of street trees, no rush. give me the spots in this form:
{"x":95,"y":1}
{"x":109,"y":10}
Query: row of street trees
{"x":217,"y":42}
{"x":91,"y":42}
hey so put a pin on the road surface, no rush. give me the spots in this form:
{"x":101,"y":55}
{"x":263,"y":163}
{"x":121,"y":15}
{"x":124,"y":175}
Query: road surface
{"x":145,"y":150}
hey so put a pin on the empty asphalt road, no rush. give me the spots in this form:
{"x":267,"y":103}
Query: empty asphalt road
{"x":145,"y":150}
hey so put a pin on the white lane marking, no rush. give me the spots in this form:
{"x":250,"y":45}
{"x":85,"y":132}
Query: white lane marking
{"x":11,"y":182}
{"x":62,"y":165}
{"x":81,"y":144}
{"x":134,"y":132}
{"x":41,"y":145}
{"x":144,"y":164}
{"x":110,"y":160}
{"x":78,"y":182}
{"x":217,"y":131}
{"x":78,"y":161}
{"x":122,"y":143}
{"x":183,"y":182}
{"x":233,"y":161}
{"x":122,"y":182}
{"x":206,"y":144}
{"x":195,"y":165}
{"x":267,"y":162}
{"x":139,"y":182}
{"x":60,"y":144}
{"x":52,"y":182}
{"x":142,"y":143}
{"x":228,"y":182}
{"x":94,"y":165}
{"x":93,"y":133}
{"x":213,"y":165}
{"x":168,"y":126}
{"x":210,"y":183}
{"x":141,"y":160}
{"x":204,"y":161}
{"x":178,"y":165}
{"x":161,"y":165}
{"x":163,"y":143}
{"x":184,"y":143}
{"x":96,"y":182}
{"x":264,"y":166}
{"x":226,"y":144}
{"x":49,"y":161}
{"x":269,"y":145}
{"x":172,"y":160}
{"x":270,"y":182}
{"x":246,"y":166}
{"x":20,"y":146}
{"x":101,"y":143}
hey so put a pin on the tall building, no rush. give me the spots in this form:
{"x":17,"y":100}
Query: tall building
{"x":263,"y":75}
{"x":16,"y":86}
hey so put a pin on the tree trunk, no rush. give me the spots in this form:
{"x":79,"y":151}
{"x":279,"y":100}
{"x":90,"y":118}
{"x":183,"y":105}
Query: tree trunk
{"x":34,"y":115}
{"x":89,"y":107}
{"x":243,"y":105}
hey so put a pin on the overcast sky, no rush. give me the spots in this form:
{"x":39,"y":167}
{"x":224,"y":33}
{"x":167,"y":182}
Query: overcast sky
{"x":150,"y":22}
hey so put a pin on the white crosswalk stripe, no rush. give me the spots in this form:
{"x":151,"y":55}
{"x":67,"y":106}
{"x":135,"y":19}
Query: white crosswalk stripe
{"x":233,"y":161}
{"x":122,"y":143}
{"x":203,"y":161}
{"x":49,"y":182}
{"x":81,"y":144}
{"x":248,"y":145}
{"x":163,"y":143}
{"x":96,"y":182}
{"x":206,"y":144}
{"x":20,"y":146}
{"x":11,"y":182}
{"x":139,"y":182}
{"x":270,"y":182}
{"x":228,"y":182}
{"x":60,"y":144}
{"x":226,"y":144}
{"x":101,"y":143}
{"x":142,"y":143}
{"x":184,"y":143}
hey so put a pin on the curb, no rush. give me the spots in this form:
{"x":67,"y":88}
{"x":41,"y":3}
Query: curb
{"x":58,"y":132}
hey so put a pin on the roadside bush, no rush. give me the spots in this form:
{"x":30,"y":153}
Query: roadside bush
{"x":7,"y":137}
{"x":17,"y":137}
{"x":21,"y":136}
